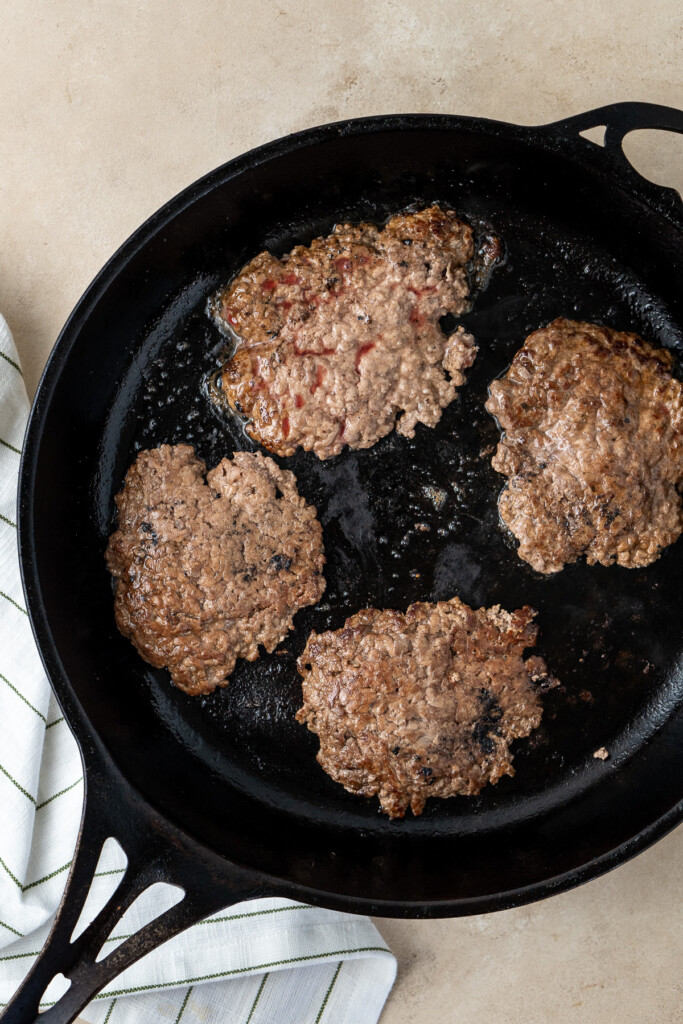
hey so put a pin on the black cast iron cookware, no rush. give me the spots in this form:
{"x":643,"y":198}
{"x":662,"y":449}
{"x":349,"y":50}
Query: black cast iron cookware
{"x":222,"y":795}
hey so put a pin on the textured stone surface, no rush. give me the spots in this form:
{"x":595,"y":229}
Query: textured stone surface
{"x":108,"y":110}
{"x":607,"y":952}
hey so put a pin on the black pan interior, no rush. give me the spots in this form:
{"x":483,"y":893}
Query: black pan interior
{"x":234,"y":768}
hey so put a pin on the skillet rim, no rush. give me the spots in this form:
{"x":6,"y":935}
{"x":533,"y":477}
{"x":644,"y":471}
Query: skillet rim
{"x":554,"y":138}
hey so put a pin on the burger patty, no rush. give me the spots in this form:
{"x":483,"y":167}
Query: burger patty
{"x":422,"y":704}
{"x":208,"y":569}
{"x":338,"y":340}
{"x":593,"y":447}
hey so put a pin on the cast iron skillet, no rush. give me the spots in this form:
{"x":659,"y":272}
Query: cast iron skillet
{"x":222,"y":795}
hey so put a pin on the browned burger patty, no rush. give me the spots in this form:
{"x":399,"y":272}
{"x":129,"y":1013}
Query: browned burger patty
{"x":422,"y":704}
{"x":209,"y":569}
{"x":339,"y":339}
{"x":593,"y":447}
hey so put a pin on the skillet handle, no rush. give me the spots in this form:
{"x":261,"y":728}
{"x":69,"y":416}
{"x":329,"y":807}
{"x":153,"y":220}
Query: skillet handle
{"x":157,"y":852}
{"x":619,"y":119}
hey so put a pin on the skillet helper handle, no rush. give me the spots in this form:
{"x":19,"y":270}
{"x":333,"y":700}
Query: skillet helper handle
{"x":157,"y":852}
{"x":619,"y":119}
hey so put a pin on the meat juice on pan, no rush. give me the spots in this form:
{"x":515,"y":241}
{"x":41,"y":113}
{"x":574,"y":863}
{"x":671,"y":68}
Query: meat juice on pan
{"x":416,"y":519}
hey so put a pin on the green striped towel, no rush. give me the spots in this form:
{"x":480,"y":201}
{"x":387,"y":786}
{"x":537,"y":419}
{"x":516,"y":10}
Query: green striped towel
{"x":266,"y":962}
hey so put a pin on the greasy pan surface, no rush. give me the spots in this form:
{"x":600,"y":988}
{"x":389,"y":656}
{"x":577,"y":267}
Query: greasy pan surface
{"x":234,"y":769}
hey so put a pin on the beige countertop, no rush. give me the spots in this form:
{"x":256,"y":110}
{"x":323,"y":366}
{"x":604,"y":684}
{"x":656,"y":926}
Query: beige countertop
{"x":109,"y":109}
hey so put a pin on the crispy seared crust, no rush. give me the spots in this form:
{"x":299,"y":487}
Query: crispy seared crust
{"x":422,"y":704}
{"x":209,"y":569}
{"x":593,"y":447}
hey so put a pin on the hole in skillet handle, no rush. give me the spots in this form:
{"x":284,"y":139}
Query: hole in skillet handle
{"x":109,"y":871}
{"x":57,"y":988}
{"x":147,"y":907}
{"x":657,"y":156}
{"x":619,"y":120}
{"x":75,"y":964}
{"x":596,"y":134}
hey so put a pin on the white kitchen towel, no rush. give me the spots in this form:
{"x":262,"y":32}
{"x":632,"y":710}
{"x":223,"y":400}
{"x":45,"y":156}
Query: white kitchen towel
{"x":265,"y":962}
